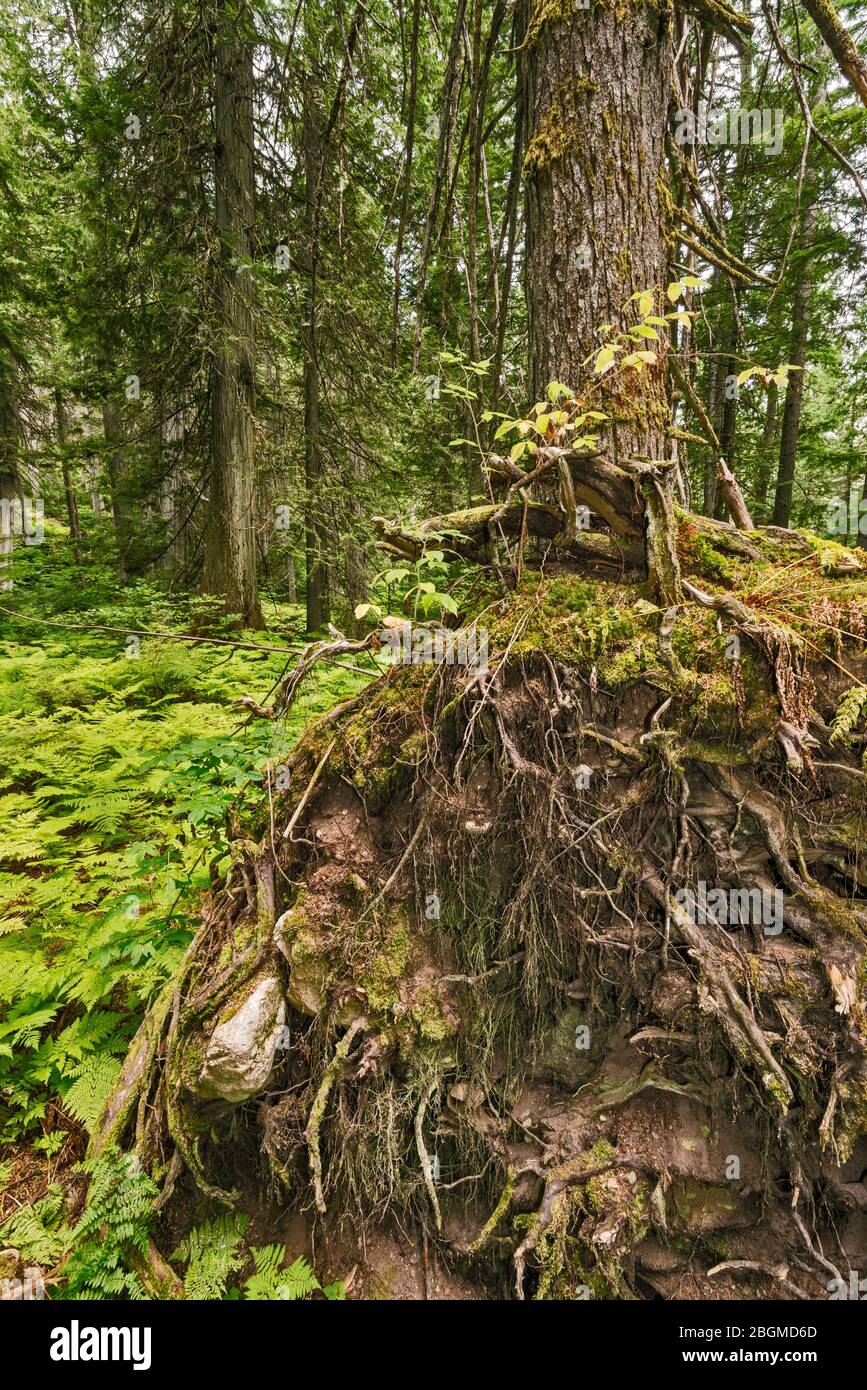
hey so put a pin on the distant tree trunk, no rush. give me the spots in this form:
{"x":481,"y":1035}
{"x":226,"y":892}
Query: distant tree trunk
{"x":861,"y":536}
{"x":10,"y":431}
{"x":68,"y":485}
{"x":474,"y":157}
{"x":596,"y":100}
{"x":230,"y":535}
{"x":795,"y":389}
{"x":112,"y":430}
{"x":510,"y":221}
{"x":766,"y":449}
{"x":355,"y":561}
{"x":448,"y":115}
{"x":96,"y":503}
{"x":314,"y":532}
{"x":407,"y":175}
{"x":715,"y":378}
{"x":172,"y":489}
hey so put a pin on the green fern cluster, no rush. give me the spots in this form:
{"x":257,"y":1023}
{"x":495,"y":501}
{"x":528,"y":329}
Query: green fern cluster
{"x":116,"y":776}
{"x":115,"y":1222}
{"x":211,"y":1253}
{"x":215,"y":1250}
{"x":272,"y":1282}
{"x":39,"y":1231}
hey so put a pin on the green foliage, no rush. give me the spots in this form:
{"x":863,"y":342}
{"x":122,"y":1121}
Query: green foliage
{"x":38,"y":1231}
{"x":116,"y":779}
{"x":272,"y":1281}
{"x":215,"y":1250}
{"x":211,"y":1253}
{"x":116,"y":1220}
{"x":853,"y":704}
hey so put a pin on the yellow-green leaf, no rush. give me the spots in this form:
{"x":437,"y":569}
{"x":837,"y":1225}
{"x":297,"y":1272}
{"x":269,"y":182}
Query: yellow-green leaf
{"x":604,"y":359}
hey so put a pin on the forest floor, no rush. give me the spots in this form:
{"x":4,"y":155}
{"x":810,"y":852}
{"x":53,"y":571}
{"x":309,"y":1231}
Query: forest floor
{"x":123,"y":769}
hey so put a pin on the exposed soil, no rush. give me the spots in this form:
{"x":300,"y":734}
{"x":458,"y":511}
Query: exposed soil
{"x":518,"y":1065}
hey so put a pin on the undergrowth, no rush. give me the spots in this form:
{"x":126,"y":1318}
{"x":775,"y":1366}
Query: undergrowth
{"x":125,"y":773}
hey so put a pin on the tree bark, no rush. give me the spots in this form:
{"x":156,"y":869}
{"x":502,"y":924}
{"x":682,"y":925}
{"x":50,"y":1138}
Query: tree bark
{"x":112,"y":433}
{"x":230,"y":538}
{"x":314,"y":536}
{"x":860,"y":536}
{"x":407,"y":176}
{"x":68,"y":485}
{"x":795,"y":389}
{"x":841,"y":44}
{"x":10,"y":432}
{"x":596,"y":99}
{"x":766,"y":447}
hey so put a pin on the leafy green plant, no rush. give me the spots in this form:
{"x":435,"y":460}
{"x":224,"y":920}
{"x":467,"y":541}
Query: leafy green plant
{"x":211,"y":1253}
{"x":39,"y":1231}
{"x":117,"y":777}
{"x":852,"y":705}
{"x":272,"y":1281}
{"x":116,"y":1220}
{"x":421,"y":587}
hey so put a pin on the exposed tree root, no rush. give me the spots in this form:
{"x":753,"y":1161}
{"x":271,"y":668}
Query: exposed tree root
{"x":511,"y":1029}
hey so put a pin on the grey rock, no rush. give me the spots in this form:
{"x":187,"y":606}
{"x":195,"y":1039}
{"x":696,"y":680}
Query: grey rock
{"x":242,"y":1047}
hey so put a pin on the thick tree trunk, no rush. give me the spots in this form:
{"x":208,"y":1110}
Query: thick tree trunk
{"x":795,"y":389}
{"x":596,"y":97}
{"x":230,"y":538}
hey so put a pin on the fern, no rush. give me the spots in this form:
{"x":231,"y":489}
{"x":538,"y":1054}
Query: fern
{"x":116,"y":777}
{"x":39,"y":1231}
{"x":211,"y":1253}
{"x":268,"y":1260}
{"x":116,"y":1220}
{"x":852,"y":705}
{"x":90,"y":1090}
{"x":273,"y":1282}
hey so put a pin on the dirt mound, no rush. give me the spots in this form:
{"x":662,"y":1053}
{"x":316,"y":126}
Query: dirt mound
{"x":571,"y":949}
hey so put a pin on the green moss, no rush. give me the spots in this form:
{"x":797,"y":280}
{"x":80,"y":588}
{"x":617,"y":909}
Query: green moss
{"x":563,"y":128}
{"x":546,"y":13}
{"x":382,"y":975}
{"x":427,"y":1012}
{"x":711,"y":562}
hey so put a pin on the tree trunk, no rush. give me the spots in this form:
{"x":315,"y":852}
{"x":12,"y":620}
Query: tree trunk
{"x":112,"y":431}
{"x":68,"y":485}
{"x":861,"y":536}
{"x":10,"y":430}
{"x":596,"y":98}
{"x":766,"y":448}
{"x":407,"y":177}
{"x":314,"y":536}
{"x":795,"y":389}
{"x":230,"y":537}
